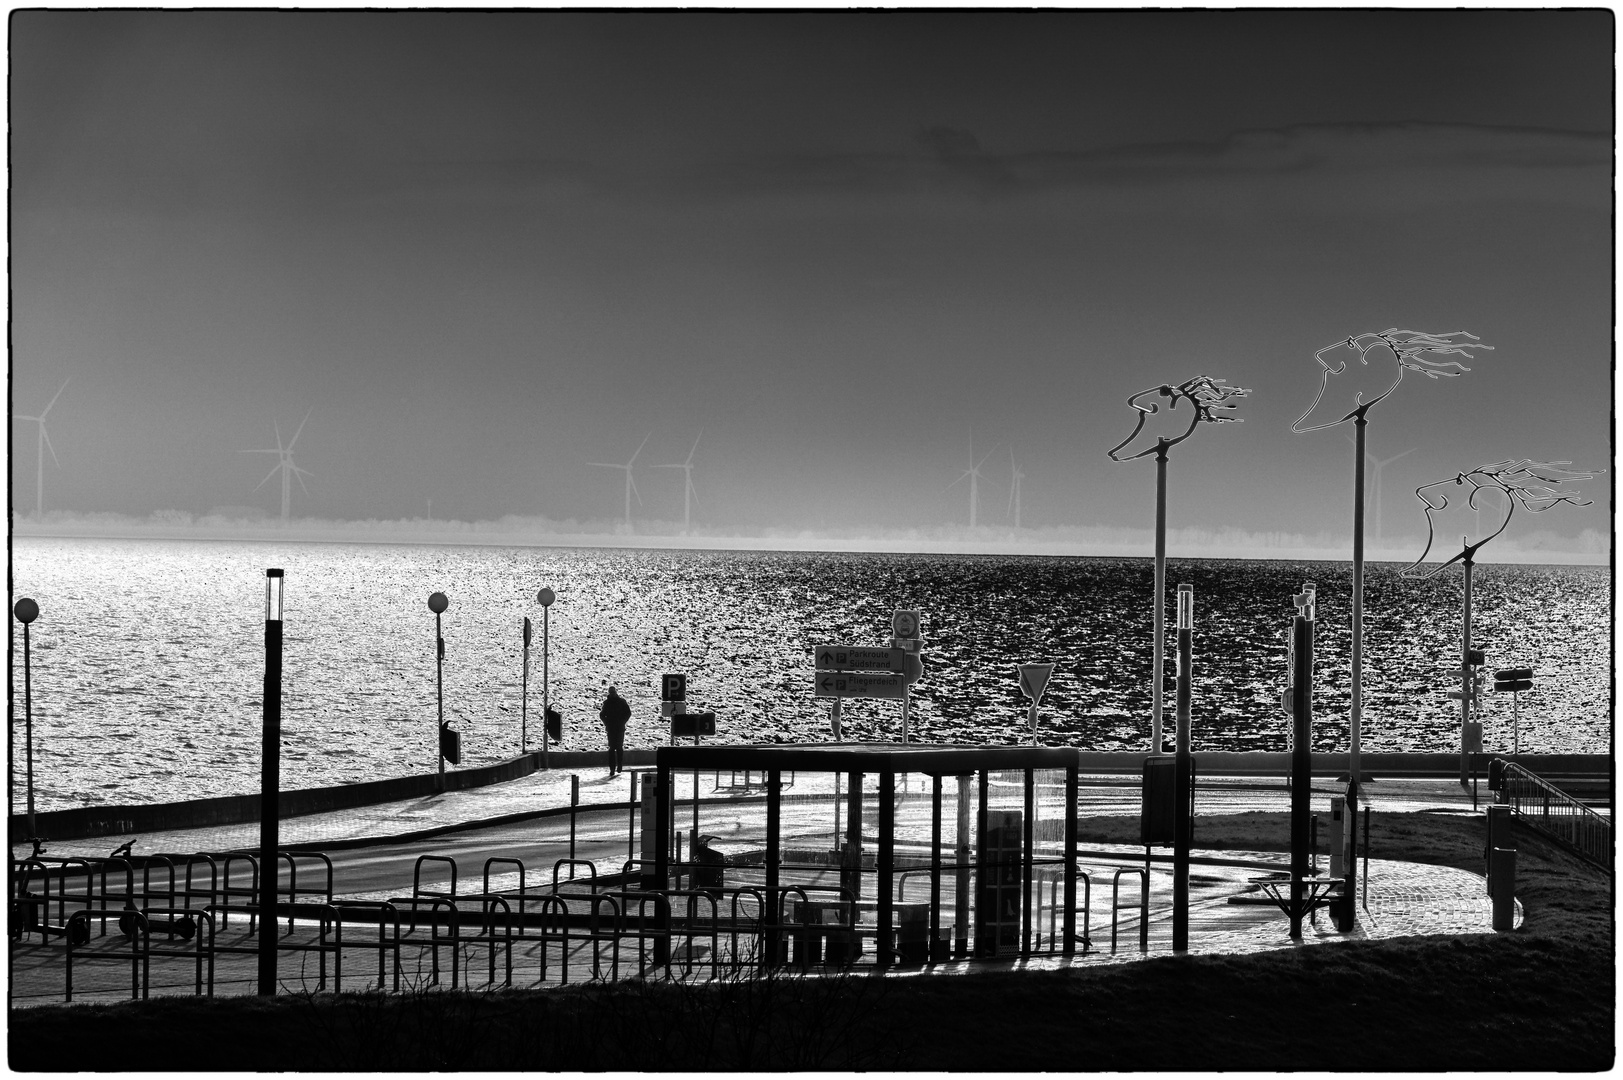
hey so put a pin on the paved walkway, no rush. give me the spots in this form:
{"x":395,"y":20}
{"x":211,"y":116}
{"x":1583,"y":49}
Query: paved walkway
{"x":1403,"y":899}
{"x":541,"y":790}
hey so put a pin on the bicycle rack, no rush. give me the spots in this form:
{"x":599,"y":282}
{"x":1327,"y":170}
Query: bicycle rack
{"x":191,"y":889}
{"x":324,"y":915}
{"x":387,"y":916}
{"x":228,"y":893}
{"x":417,"y":889}
{"x":491,"y":932}
{"x":139,"y":963}
{"x":572,"y":863}
{"x":436,"y":940}
{"x":1144,"y":905}
{"x":689,"y":928}
{"x":199,"y":926}
{"x":555,"y":914}
{"x":623,"y":900}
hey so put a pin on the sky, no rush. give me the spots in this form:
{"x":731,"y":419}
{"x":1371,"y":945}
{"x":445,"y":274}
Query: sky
{"x":483,"y":250}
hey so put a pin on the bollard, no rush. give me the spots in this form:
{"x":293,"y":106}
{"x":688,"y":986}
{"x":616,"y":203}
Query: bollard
{"x":1504,"y":893}
{"x":1498,"y":818}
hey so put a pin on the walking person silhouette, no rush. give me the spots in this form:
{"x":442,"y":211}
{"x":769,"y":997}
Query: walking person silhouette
{"x":614,"y":714}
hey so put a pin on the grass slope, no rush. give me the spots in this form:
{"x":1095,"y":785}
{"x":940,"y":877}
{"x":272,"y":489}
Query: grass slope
{"x":1542,"y":998}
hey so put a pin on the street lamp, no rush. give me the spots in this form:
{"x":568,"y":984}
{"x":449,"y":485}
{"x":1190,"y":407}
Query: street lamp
{"x":270,"y":759}
{"x":1206,"y":396}
{"x":1183,"y":769}
{"x":1528,"y":484}
{"x":545,"y":598}
{"x":1370,"y":366}
{"x":27,"y":611}
{"x":437,"y":603}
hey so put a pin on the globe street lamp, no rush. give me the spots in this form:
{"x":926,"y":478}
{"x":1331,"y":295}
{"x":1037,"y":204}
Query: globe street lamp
{"x":437,"y":603}
{"x":27,"y":611}
{"x":545,"y":598}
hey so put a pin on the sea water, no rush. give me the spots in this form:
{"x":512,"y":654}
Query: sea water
{"x":148,"y":656}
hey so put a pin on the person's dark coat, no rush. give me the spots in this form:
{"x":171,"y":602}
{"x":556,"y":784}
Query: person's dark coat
{"x":614,"y":714}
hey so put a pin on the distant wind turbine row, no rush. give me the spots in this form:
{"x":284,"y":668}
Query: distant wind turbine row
{"x":285,"y":466}
{"x":689,"y":492}
{"x":43,"y":444}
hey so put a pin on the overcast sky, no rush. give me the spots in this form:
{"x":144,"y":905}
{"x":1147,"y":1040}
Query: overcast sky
{"x":483,"y":250}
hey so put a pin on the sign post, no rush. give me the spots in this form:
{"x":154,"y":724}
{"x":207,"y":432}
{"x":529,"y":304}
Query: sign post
{"x":904,"y":628}
{"x":1515,"y":680}
{"x":1033,"y":681}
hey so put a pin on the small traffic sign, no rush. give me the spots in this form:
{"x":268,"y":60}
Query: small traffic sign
{"x":904,"y":623}
{"x":1033,"y":680}
{"x":1512,"y":685}
{"x":1514,"y":673}
{"x":688,"y":725}
{"x":526,"y":631}
{"x":673,"y":687}
{"x":843,"y":684}
{"x":850,"y":658}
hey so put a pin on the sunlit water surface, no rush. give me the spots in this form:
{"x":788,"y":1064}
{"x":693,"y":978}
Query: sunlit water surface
{"x":148,"y":656}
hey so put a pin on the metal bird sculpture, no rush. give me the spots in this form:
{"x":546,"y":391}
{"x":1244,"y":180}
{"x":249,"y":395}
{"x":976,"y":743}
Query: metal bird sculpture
{"x":1367,"y":367}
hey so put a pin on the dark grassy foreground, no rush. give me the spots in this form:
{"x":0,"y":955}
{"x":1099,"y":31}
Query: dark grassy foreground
{"x":1542,"y":998}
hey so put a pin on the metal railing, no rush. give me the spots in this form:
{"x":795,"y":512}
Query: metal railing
{"x":1554,"y":813}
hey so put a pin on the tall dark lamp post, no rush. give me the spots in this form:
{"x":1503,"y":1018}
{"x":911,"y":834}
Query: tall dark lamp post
{"x":437,"y":603}
{"x":1184,"y":769}
{"x":545,"y":598}
{"x":270,"y":761}
{"x":1208,"y":399}
{"x":27,"y":611}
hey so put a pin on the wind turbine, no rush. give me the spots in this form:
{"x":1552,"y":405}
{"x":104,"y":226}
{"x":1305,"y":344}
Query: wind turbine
{"x":974,"y":474}
{"x":1014,"y":488}
{"x":1379,"y":465}
{"x":687,"y":473}
{"x":284,"y":465}
{"x":42,"y":444}
{"x":631,"y":485}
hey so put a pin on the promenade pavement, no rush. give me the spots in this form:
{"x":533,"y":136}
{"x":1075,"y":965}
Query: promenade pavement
{"x":544,"y":790}
{"x":1402,"y":898}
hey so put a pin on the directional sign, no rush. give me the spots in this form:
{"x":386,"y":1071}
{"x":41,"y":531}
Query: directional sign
{"x":1033,"y":680}
{"x":842,"y":684}
{"x":904,"y":624}
{"x":1513,"y":685}
{"x":687,"y":725}
{"x":850,"y":658}
{"x":1512,"y":673}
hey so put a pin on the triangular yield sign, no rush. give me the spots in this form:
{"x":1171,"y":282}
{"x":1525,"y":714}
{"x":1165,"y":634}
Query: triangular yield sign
{"x":1034,"y":679}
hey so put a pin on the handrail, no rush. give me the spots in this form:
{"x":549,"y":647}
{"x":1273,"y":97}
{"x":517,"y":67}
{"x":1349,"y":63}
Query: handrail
{"x":1554,"y":813}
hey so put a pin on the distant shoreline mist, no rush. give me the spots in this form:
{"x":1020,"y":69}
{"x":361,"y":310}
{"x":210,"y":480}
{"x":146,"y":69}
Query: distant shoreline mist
{"x":1589,"y":547}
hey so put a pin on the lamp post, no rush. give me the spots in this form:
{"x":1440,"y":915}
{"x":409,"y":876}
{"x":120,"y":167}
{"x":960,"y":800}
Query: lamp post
{"x":1183,"y":768}
{"x":27,"y":611}
{"x":1206,"y":396}
{"x":524,"y":697}
{"x":270,"y":759}
{"x":1408,"y":350}
{"x":437,"y":603}
{"x":545,"y":598}
{"x":1528,"y":484}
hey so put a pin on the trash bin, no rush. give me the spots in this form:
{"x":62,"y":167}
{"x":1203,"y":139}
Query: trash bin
{"x":708,"y":873}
